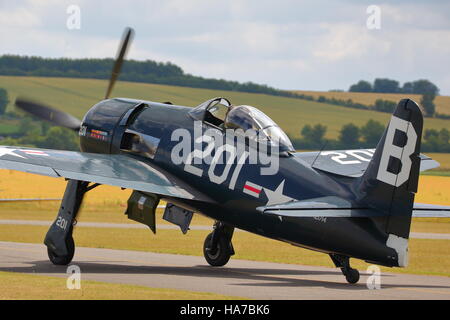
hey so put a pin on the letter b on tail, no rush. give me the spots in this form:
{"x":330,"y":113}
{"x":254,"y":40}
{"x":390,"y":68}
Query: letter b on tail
{"x":391,"y":171}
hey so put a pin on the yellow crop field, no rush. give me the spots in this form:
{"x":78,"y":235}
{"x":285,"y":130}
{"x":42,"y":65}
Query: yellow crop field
{"x":15,"y":184}
{"x":368,"y":98}
{"x":434,"y":190}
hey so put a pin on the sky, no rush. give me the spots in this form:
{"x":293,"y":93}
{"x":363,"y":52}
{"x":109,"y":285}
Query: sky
{"x":288,"y":44}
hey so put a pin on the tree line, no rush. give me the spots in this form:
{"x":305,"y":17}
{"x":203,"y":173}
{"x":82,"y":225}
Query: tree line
{"x":148,"y":71}
{"x":424,"y":87}
{"x":384,"y":85}
{"x":40,"y":134}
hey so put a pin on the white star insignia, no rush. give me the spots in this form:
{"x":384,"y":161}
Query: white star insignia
{"x":9,"y":151}
{"x":277,"y":196}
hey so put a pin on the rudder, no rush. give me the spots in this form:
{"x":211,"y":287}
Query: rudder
{"x":390,"y":181}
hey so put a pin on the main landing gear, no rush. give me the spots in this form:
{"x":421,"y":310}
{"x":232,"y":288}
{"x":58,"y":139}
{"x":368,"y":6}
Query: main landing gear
{"x":217,"y":247}
{"x":59,"y":239}
{"x":343,"y":262}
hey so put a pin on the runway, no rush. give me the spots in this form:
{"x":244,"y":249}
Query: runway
{"x":240,"y":278}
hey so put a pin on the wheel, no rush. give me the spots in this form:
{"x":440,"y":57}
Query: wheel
{"x":63,"y":260}
{"x":222,"y":254}
{"x":352,"y":275}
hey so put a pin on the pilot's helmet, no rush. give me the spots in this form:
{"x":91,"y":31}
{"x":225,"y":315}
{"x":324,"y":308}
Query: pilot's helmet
{"x":239,"y":117}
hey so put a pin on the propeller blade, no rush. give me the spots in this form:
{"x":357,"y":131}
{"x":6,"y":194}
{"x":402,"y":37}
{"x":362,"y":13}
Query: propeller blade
{"x":126,"y":39}
{"x":49,"y":114}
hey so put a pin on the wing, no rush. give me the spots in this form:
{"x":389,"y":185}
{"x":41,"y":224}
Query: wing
{"x":334,"y":207}
{"x":119,"y":170}
{"x":350,"y":163}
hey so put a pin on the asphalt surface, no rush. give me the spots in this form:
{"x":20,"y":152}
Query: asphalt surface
{"x":250,"y":279}
{"x":414,"y":235}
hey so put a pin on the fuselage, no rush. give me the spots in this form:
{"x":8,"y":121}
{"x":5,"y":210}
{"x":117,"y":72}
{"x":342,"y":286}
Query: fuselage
{"x":237,"y":188}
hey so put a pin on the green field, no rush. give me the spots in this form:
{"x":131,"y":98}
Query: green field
{"x":76,"y":96}
{"x":8,"y":127}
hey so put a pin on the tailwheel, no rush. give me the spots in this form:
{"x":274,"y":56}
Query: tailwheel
{"x":351,"y":275}
{"x":62,"y":260}
{"x":343,"y":262}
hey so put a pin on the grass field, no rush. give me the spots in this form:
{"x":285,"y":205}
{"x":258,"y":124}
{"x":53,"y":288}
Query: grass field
{"x":8,"y":127}
{"x":442,"y":102}
{"x":15,"y":286}
{"x":76,"y":96}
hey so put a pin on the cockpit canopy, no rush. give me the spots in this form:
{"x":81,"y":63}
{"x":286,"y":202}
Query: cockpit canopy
{"x":220,"y":113}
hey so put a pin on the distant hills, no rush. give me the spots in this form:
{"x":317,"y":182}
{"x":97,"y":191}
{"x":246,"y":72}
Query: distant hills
{"x":153,"y":72}
{"x":135,"y":71}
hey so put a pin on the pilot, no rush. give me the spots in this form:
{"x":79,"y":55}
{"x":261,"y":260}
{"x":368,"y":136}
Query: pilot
{"x":239,"y":117}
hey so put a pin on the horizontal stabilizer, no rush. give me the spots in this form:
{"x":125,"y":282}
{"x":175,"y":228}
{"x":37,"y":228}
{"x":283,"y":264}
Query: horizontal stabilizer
{"x":319,"y":207}
{"x":334,"y":207}
{"x":422,"y":210}
{"x":351,"y":163}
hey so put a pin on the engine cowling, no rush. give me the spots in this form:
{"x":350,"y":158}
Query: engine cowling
{"x":104,"y":125}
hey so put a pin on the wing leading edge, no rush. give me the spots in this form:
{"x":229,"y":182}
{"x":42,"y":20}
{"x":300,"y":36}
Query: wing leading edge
{"x":124,"y":171}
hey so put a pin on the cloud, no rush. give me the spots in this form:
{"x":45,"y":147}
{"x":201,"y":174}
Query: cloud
{"x":19,"y":18}
{"x":290,"y":44}
{"x":346,"y":41}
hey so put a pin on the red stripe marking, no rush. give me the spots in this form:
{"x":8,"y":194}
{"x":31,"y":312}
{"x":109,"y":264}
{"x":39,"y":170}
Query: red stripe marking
{"x":252,"y":189}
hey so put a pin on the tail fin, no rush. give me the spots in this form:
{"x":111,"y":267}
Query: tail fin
{"x":390,"y":181}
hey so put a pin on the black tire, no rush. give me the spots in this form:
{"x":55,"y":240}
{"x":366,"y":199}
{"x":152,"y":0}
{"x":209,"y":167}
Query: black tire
{"x":63,"y":260}
{"x":222,"y":254}
{"x":352,"y":276}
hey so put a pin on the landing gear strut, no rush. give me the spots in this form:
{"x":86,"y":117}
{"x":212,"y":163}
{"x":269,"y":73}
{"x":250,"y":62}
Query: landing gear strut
{"x":343,"y":262}
{"x":59,"y":239}
{"x":217,"y":247}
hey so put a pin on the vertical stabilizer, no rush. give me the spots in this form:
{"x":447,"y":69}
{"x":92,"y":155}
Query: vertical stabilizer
{"x":390,"y":181}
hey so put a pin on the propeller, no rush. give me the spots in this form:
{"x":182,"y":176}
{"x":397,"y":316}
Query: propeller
{"x":49,"y":114}
{"x":62,"y":118}
{"x":126,"y":39}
